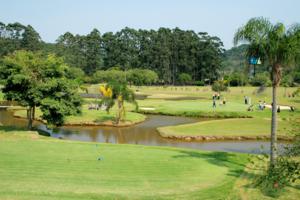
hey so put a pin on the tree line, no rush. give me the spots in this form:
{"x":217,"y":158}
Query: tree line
{"x":173,"y":56}
{"x":167,"y":52}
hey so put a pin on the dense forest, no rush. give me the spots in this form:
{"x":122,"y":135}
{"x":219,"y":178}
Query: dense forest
{"x":175,"y":56}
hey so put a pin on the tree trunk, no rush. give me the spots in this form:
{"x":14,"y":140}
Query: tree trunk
{"x":276,"y":76}
{"x":33,"y":112}
{"x":29,"y":116}
{"x":118,"y":118}
{"x":273,"y":152}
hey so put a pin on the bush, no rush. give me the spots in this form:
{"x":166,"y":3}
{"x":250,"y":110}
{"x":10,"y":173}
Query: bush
{"x":236,"y":79}
{"x":75,"y":73}
{"x":297,"y":77}
{"x":109,"y":75}
{"x":286,"y":170}
{"x":262,"y":79}
{"x":184,"y":78}
{"x":199,"y":83}
{"x":219,"y":86}
{"x":287,"y":81}
{"x":141,"y":76}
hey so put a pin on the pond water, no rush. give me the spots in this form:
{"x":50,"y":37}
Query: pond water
{"x":144,"y":133}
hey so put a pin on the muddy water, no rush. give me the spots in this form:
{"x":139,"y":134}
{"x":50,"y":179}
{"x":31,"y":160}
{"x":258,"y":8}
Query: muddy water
{"x":144,"y":134}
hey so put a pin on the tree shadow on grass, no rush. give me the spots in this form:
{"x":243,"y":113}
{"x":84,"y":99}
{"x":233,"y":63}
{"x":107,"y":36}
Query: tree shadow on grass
{"x":104,"y":118}
{"x":235,"y":164}
{"x":14,"y":129}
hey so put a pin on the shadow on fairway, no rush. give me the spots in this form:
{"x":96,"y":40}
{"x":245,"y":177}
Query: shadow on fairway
{"x":223,"y":159}
{"x":11,"y":128}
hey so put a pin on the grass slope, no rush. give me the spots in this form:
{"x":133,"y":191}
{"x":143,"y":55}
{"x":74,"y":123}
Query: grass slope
{"x":228,"y":127}
{"x":35,"y":167}
{"x":91,"y":116}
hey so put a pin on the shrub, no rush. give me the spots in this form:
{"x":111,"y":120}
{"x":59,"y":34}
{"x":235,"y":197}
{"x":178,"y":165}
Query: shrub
{"x":219,"y":86}
{"x":236,"y":79}
{"x":297,"y":77}
{"x":199,"y":83}
{"x":184,"y":78}
{"x":262,"y":79}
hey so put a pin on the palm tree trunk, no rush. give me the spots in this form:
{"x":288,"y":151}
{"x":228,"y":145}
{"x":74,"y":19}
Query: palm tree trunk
{"x":276,"y":76}
{"x":118,"y":118}
{"x":273,"y":152}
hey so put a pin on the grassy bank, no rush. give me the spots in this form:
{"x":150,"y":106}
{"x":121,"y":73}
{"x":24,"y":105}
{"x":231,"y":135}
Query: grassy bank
{"x":253,"y":128}
{"x":93,"y":117}
{"x":35,"y":167}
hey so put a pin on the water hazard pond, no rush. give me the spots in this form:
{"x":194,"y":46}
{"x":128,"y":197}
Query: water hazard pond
{"x":144,"y":133}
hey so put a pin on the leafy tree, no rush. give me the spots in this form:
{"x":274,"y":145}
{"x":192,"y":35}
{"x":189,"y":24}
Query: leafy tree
{"x":219,"y":86}
{"x":75,"y":73}
{"x":31,"y":39}
{"x":81,"y":51}
{"x":261,"y":79}
{"x":184,"y":78}
{"x":106,"y":76}
{"x":277,"y":47}
{"x":34,"y":79}
{"x":297,"y":77}
{"x":93,"y":52}
{"x":141,"y":76}
{"x":107,"y":99}
{"x":237,"y":79}
{"x":17,"y":36}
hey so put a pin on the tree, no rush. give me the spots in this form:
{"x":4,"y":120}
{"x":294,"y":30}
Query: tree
{"x":81,"y":51}
{"x":93,"y":52}
{"x":31,"y":39}
{"x":184,"y":78}
{"x":277,"y":47}
{"x":141,"y":76}
{"x":117,"y":92}
{"x":34,"y":79}
{"x":17,"y":36}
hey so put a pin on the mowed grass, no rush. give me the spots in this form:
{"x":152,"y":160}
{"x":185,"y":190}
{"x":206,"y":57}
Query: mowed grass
{"x":234,"y":94}
{"x":197,"y":108}
{"x":35,"y":167}
{"x":229,"y":127}
{"x":91,"y":116}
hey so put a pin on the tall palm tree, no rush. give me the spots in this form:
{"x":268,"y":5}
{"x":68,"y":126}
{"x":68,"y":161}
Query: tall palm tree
{"x":277,"y":47}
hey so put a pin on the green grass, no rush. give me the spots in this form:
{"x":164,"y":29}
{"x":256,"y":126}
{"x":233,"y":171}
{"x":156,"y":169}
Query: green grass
{"x":234,"y":94}
{"x":228,"y":127}
{"x":91,"y":116}
{"x":35,"y":167}
{"x":194,"y":108}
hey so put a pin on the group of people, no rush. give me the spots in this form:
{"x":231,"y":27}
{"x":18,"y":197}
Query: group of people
{"x":261,"y":105}
{"x":216,"y":97}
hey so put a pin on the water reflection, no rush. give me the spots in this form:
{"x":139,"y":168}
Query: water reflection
{"x":143,"y":134}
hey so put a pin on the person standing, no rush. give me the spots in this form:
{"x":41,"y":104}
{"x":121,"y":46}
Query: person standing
{"x":246,"y":100}
{"x":214,"y":103}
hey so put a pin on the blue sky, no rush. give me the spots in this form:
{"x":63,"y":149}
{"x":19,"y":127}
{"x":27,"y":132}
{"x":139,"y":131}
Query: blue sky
{"x":52,"y":18}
